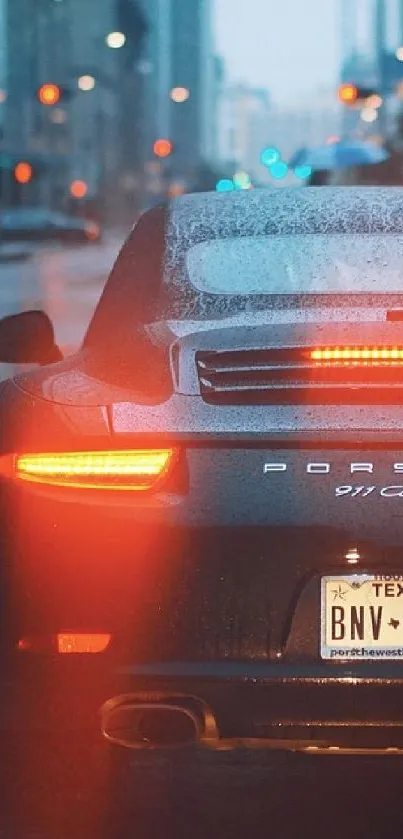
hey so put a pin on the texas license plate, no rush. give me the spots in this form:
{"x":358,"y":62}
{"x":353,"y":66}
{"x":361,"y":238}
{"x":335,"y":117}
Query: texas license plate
{"x":362,"y":617}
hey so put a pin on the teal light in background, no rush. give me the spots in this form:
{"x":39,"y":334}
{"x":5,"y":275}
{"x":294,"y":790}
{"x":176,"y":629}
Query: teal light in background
{"x":278,"y":170}
{"x":303,"y":172}
{"x":224,"y":185}
{"x":242,"y":180}
{"x":269,"y":156}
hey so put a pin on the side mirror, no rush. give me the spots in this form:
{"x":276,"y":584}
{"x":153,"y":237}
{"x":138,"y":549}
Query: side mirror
{"x":28,"y":338}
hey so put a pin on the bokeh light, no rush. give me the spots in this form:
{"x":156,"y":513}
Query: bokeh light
{"x":86,"y":83}
{"x":303,"y":172}
{"x":348,"y":93}
{"x":242,"y":180}
{"x":179,"y":94}
{"x":269,"y":156}
{"x":78,"y":189}
{"x":374,"y":101}
{"x":278,"y":170}
{"x":23,"y":172}
{"x":49,"y":94}
{"x":369,"y":114}
{"x":58,"y":116}
{"x":162,"y":148}
{"x":225,"y":185}
{"x":115,"y":40}
{"x":399,"y":53}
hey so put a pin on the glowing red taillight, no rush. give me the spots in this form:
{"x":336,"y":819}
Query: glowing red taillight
{"x":76,"y":643}
{"x":358,"y":355}
{"x":138,"y":469}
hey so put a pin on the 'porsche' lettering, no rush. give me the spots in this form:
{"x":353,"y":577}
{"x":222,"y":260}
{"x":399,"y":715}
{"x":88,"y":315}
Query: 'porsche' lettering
{"x":318,"y":468}
{"x":327,"y":467}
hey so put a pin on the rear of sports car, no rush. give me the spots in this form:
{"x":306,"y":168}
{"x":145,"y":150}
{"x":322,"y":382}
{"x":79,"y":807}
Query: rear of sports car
{"x":223,"y":567}
{"x":204,"y":543}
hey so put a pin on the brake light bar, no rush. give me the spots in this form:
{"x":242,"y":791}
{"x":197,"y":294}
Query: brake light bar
{"x":138,"y":469}
{"x":66,"y":643}
{"x":358,"y":355}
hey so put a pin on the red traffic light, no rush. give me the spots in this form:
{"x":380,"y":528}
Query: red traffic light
{"x":348,"y":93}
{"x":162,"y":148}
{"x":23,"y":172}
{"x":49,"y":94}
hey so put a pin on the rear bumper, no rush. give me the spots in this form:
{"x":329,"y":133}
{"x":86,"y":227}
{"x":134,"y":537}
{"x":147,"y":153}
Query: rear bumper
{"x":297,"y":708}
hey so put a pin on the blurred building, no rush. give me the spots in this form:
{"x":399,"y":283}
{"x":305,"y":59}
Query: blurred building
{"x":128,"y":72}
{"x":244,"y":128}
{"x":155,"y":67}
{"x":91,"y":135}
{"x":3,"y":60}
{"x":181,"y":80}
{"x":307,"y":126}
{"x":192,"y":128}
{"x":373,"y":61}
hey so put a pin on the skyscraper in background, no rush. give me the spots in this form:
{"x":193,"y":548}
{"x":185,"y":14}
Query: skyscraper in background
{"x":3,"y":57}
{"x":244,"y":128}
{"x":116,"y":101}
{"x":93,"y":133}
{"x":192,"y":68}
{"x":182,"y":79}
{"x":155,"y":67}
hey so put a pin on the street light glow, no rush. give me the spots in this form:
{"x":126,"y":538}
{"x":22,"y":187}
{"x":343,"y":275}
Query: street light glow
{"x":179,"y":94}
{"x":115,"y":40}
{"x":49,"y":94}
{"x":78,"y":189}
{"x":369,"y":114}
{"x":86,"y":83}
{"x":374,"y":101}
{"x":23,"y":172}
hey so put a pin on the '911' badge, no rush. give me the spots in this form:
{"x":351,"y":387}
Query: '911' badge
{"x":394,"y":491}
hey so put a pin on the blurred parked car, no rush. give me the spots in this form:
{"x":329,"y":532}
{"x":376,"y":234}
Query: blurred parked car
{"x":35,"y":224}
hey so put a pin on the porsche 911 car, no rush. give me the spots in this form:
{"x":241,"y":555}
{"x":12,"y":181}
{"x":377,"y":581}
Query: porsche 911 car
{"x":203,"y":507}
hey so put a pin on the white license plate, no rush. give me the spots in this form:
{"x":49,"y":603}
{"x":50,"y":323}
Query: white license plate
{"x":362,"y":617}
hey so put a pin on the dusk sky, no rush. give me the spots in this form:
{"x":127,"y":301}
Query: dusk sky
{"x":287,"y":46}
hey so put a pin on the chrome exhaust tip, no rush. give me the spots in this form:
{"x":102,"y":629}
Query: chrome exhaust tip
{"x":139,"y":721}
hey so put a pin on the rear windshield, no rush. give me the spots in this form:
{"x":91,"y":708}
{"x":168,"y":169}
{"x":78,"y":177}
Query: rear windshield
{"x":299,"y":264}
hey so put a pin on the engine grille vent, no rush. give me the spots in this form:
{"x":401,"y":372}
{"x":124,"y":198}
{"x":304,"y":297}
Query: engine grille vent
{"x":295,"y":376}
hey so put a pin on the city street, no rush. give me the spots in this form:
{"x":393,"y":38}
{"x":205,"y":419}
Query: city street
{"x":65,"y":282}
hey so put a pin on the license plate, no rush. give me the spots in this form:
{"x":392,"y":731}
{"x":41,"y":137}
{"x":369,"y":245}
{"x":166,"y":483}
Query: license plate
{"x":362,"y":617}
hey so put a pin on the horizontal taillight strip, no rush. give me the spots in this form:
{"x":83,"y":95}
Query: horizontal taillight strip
{"x":357,"y":354}
{"x":138,"y":469}
{"x":66,"y":643}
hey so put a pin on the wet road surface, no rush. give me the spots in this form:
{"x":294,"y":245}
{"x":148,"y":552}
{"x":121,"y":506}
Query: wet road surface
{"x":203,"y":796}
